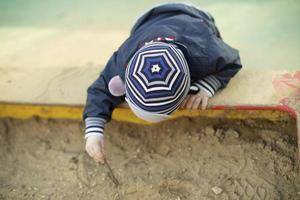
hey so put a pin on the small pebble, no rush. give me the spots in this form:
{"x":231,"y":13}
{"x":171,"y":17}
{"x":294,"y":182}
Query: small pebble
{"x":209,"y":131}
{"x":116,"y":196}
{"x":232,"y":133}
{"x":183,"y":170}
{"x":217,"y":190}
{"x":131,"y":190}
{"x":93,"y":184}
{"x":219,"y":133}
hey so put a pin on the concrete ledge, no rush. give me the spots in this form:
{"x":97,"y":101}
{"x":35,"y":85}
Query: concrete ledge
{"x":24,"y":111}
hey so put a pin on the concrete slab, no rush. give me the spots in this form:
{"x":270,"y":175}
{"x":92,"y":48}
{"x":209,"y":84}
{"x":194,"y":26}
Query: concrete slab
{"x":51,"y":51}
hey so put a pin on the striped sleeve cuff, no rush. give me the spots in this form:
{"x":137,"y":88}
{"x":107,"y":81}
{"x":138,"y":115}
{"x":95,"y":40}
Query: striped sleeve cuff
{"x":210,"y":84}
{"x":94,"y":126}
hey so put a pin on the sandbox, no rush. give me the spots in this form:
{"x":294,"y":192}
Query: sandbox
{"x":186,"y":158}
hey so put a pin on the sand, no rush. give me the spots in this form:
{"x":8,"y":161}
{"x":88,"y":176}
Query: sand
{"x":181,"y":159}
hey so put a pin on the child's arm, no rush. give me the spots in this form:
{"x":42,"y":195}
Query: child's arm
{"x":226,"y":62}
{"x":209,"y":84}
{"x":98,"y":109}
{"x":224,"y":59}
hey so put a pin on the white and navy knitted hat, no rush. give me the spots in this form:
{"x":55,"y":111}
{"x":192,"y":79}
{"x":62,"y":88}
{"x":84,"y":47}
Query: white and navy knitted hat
{"x":157,"y":81}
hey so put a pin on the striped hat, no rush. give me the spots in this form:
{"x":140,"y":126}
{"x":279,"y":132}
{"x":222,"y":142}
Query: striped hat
{"x":157,"y":81}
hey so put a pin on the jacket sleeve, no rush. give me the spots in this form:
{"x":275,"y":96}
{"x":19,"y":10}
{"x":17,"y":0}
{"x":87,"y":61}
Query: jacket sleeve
{"x":100,"y":102}
{"x":224,"y":59}
{"x":224,"y":62}
{"x":210,"y":84}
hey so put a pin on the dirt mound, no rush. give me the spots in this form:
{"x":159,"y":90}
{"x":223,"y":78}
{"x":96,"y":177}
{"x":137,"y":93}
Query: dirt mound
{"x":181,"y":159}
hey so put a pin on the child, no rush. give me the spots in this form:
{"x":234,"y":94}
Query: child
{"x":173,"y":57}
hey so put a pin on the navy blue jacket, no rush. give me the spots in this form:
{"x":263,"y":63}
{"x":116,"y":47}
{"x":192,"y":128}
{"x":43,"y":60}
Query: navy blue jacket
{"x":191,"y":29}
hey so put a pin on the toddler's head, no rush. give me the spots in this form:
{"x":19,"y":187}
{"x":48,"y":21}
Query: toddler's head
{"x":157,"y":80}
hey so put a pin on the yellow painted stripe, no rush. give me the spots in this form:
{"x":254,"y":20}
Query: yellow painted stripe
{"x":123,"y":114}
{"x":23,"y":111}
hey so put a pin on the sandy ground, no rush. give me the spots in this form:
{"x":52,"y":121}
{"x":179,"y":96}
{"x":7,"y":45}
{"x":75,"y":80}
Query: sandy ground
{"x":182,"y":159}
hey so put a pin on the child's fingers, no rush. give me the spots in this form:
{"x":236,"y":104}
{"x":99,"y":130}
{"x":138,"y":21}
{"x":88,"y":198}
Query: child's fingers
{"x":184,"y":101}
{"x":99,"y":158}
{"x":98,"y":155}
{"x":204,"y":103}
{"x":102,"y":147}
{"x":196,"y":103}
{"x":190,"y":102}
{"x":95,"y":148}
{"x":88,"y":150}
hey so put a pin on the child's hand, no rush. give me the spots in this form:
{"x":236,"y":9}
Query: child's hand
{"x":193,"y":102}
{"x":95,"y":147}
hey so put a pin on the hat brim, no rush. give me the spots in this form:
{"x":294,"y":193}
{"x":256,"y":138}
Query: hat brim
{"x":147,"y":116}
